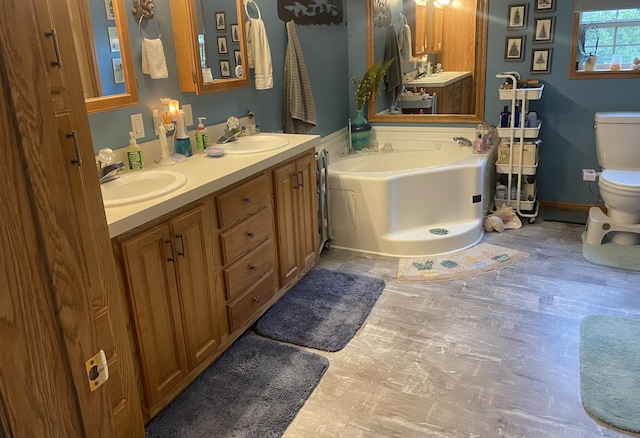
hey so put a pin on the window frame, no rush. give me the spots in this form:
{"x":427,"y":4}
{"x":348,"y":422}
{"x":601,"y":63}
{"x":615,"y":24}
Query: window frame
{"x":602,"y":74}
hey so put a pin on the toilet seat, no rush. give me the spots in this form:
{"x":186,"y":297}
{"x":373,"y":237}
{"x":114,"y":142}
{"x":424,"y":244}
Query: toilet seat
{"x":623,"y":181}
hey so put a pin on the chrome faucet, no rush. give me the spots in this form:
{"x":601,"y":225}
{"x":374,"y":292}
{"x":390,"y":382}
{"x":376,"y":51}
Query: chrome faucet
{"x":463,"y":141}
{"x":231,"y":131}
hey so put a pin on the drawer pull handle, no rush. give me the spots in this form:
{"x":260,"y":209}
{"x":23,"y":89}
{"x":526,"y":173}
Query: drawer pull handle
{"x":74,"y":135}
{"x":247,"y":199}
{"x":254,"y":268}
{"x":170,"y":258}
{"x":179,"y":236}
{"x":52,"y":34}
{"x":251,"y":234}
{"x":256,"y":299}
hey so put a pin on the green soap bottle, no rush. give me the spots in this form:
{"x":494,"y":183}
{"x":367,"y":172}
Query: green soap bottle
{"x":134,"y":154}
{"x":202,"y":136}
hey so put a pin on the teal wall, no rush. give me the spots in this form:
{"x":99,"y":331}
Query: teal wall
{"x":333,"y":53}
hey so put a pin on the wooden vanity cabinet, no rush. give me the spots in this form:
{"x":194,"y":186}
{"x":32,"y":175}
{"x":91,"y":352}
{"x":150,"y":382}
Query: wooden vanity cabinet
{"x":296,"y":217}
{"x":170,"y":272}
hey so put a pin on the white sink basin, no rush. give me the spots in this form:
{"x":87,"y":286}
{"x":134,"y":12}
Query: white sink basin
{"x":142,"y":186}
{"x":252,"y":144}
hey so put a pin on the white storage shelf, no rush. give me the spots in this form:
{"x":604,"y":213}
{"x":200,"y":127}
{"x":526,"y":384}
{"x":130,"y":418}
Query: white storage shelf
{"x":524,"y":205}
{"x":521,"y":93}
{"x":526,"y":170}
{"x":518,"y":131}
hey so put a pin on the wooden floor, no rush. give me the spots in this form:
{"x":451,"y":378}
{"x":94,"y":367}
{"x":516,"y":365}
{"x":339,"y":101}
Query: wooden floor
{"x":491,"y":356}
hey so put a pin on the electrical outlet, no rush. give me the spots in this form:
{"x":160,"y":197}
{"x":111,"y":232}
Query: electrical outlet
{"x":188,"y":115}
{"x":137,"y":125}
{"x":588,"y":175}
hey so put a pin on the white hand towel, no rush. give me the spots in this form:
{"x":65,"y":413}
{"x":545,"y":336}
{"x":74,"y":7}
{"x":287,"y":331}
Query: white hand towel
{"x":259,"y":54}
{"x":405,"y":43}
{"x":153,"y":62}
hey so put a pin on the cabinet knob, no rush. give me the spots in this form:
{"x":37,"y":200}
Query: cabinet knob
{"x":247,"y":199}
{"x":256,"y":299}
{"x":254,"y":268}
{"x":251,"y":234}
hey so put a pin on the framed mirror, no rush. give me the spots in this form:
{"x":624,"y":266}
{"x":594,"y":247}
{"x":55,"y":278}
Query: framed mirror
{"x":210,"y":45}
{"x":103,"y":47}
{"x":460,"y":32}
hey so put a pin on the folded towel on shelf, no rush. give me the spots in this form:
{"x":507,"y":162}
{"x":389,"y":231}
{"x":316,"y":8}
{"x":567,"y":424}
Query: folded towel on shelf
{"x":298,"y":109}
{"x":153,"y":61}
{"x":259,"y":54}
{"x":405,"y":43}
{"x":393,"y":77}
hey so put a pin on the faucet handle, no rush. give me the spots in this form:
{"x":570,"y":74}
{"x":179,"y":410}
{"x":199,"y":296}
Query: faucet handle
{"x":233,"y":123}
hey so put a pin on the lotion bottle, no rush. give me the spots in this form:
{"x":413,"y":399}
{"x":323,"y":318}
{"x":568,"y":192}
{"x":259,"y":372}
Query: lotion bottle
{"x":134,"y":154}
{"x":202,"y":136}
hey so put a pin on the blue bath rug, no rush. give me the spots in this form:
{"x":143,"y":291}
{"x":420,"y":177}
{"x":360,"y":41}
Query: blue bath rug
{"x":323,"y":311}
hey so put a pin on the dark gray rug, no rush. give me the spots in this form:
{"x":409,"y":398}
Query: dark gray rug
{"x":323,"y":311}
{"x":254,"y":389}
{"x":610,"y":370}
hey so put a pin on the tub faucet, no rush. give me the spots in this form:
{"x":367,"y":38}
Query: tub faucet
{"x":463,"y":141}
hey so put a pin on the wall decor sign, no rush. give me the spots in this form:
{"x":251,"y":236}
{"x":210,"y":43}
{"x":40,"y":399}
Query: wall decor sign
{"x":235,"y":33}
{"x":225,"y":69}
{"x":514,"y":48}
{"x":543,"y":28}
{"x":221,"y":22}
{"x":237,"y":54}
{"x":118,"y":71}
{"x":108,"y":6}
{"x":544,"y":5}
{"x":541,"y":60}
{"x":312,"y":11}
{"x":517,"y":16}
{"x":222,"y":46}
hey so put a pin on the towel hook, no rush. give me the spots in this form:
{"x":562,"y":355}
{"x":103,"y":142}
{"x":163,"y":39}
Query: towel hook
{"x":255,"y":5}
{"x":140,"y":27}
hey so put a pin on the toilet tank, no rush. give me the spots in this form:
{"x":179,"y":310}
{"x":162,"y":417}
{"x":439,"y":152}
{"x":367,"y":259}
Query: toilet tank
{"x":618,"y":139}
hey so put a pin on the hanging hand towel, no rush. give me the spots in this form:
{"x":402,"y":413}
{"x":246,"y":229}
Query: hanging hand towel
{"x":153,"y":62}
{"x":405,"y":42}
{"x":394,"y":74}
{"x":298,"y":109}
{"x":259,"y":54}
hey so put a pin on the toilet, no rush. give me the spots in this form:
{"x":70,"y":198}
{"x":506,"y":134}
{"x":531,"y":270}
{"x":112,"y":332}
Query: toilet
{"x":618,"y":148}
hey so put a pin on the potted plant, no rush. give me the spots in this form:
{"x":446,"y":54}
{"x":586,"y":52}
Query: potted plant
{"x":368,"y":87}
{"x":589,"y":38}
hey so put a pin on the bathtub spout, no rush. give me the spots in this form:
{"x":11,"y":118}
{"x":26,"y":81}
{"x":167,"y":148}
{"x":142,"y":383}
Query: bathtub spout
{"x":463,"y":141}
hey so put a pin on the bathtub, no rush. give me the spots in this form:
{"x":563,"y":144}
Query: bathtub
{"x":428,"y":196}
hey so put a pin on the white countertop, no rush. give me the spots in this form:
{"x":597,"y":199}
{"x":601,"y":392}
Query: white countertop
{"x":441,"y":79}
{"x":205,"y":175}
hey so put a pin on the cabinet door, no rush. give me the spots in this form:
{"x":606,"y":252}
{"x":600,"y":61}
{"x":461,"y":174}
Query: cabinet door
{"x":307,"y":211}
{"x":149,"y":266}
{"x":285,"y":181}
{"x":193,"y":239}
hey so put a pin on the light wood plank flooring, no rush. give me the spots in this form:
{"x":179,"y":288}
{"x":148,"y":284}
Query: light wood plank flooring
{"x":491,"y":356}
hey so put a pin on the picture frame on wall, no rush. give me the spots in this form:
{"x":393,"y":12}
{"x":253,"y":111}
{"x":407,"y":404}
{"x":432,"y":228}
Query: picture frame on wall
{"x":543,"y":29}
{"x":541,"y":60}
{"x":114,"y":42}
{"x":235,"y":33}
{"x":517,"y":16}
{"x":225,"y":69}
{"x":118,"y":71}
{"x":108,"y":7}
{"x":544,"y":5}
{"x":221,"y":22}
{"x":222,"y":46}
{"x":514,"y":48}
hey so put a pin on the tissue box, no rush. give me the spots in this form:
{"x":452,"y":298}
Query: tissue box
{"x":528,"y":158}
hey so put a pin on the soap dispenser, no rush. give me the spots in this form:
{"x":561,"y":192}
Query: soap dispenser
{"x":183,"y":143}
{"x":134,"y":154}
{"x":202,"y":136}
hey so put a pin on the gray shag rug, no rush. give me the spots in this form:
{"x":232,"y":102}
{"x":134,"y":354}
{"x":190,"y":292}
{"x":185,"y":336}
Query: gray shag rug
{"x":255,"y":389}
{"x":323,"y":311}
{"x":610,"y":370}
{"x":611,"y":254}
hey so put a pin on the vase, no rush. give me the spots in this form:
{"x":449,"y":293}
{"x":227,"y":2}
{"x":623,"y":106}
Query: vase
{"x":360,"y":132}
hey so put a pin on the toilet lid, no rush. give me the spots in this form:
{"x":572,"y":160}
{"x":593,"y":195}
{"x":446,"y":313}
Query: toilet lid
{"x":621,"y":179}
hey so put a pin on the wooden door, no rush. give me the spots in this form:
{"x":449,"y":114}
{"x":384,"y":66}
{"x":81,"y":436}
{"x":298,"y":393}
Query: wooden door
{"x":149,"y":265}
{"x":285,"y":181}
{"x":196,"y":282}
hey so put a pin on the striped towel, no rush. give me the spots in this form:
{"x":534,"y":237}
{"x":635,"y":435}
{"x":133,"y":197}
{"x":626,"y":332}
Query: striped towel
{"x":298,"y":109}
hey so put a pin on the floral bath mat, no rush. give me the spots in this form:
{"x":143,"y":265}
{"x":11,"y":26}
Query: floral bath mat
{"x":476,"y":260}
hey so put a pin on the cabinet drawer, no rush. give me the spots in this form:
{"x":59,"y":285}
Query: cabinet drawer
{"x":246,"y":307}
{"x":246,"y":235}
{"x":242,"y":201}
{"x":249,"y":269}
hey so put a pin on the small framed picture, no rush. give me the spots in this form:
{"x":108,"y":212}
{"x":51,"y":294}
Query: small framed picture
{"x":514,"y":48}
{"x":118,"y":71}
{"x":114,"y":42}
{"x":235,"y":33}
{"x":108,"y":6}
{"x":544,"y":5}
{"x":541,"y":60}
{"x":222,"y":46}
{"x":225,"y":69}
{"x":237,"y":54}
{"x":543,"y":30}
{"x":221,"y":22}
{"x":517,"y":16}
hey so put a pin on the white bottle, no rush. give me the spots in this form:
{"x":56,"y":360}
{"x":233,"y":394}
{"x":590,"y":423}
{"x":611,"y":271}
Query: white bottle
{"x":134,"y":154}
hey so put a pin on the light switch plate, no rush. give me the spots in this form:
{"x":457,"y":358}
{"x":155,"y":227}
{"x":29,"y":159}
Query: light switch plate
{"x":137,"y":125}
{"x":188,"y":115}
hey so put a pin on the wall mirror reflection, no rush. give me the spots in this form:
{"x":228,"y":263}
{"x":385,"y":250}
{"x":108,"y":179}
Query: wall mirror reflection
{"x":448,"y":56}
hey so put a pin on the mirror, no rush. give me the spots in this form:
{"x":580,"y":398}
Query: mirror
{"x":210,"y":45}
{"x":454,"y":35}
{"x":103,"y":48}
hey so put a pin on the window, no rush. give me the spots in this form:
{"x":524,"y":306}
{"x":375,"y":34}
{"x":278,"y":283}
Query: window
{"x":607,"y":41}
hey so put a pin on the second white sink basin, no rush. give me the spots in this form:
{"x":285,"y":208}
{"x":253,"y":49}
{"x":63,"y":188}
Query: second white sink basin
{"x":252,"y":144}
{"x":142,"y":186}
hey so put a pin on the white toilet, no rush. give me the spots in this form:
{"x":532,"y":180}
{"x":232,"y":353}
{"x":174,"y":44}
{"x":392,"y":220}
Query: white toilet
{"x":618,"y":147}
